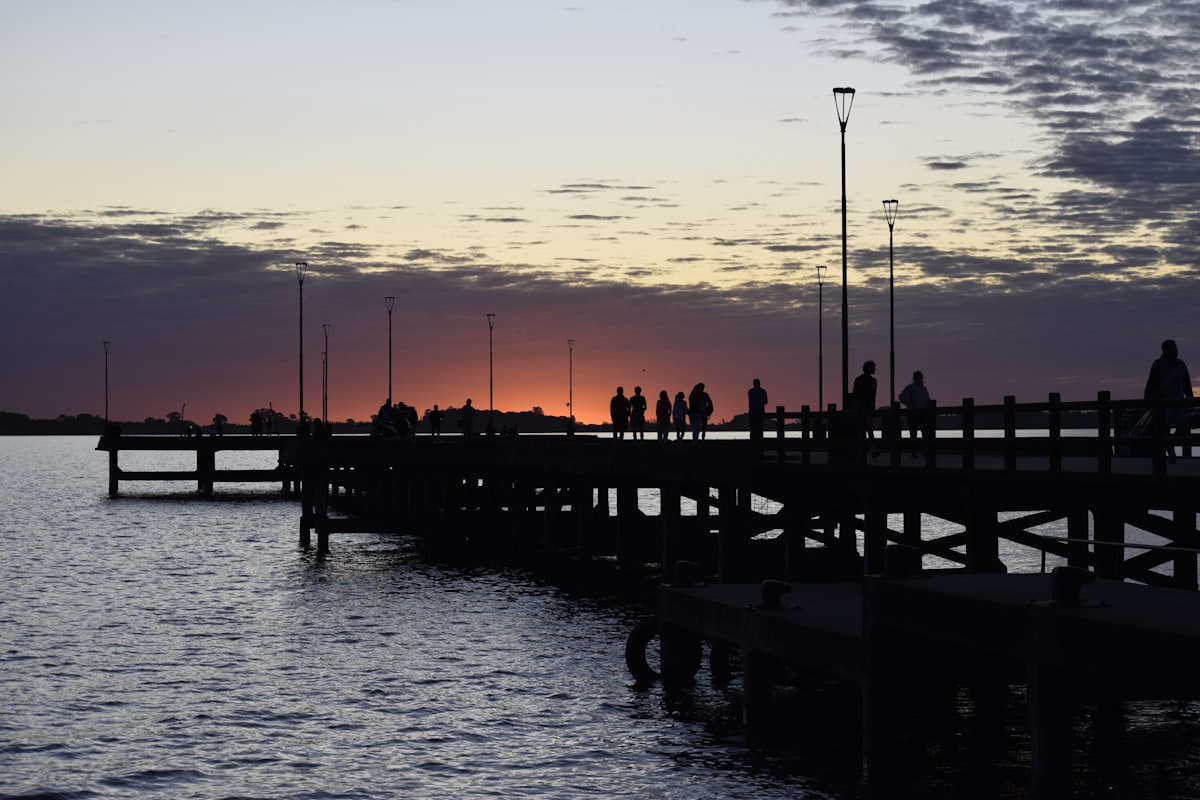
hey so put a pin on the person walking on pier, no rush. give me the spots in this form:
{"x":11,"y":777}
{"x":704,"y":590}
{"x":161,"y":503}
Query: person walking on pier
{"x":757,"y":397}
{"x":679,"y":413}
{"x":862,"y":400}
{"x":915,"y":398}
{"x":618,"y":409}
{"x":1170,"y":387}
{"x":637,"y":413}
{"x":700,"y":408}
{"x":662,"y":415}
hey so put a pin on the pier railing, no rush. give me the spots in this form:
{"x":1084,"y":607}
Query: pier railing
{"x":1053,"y":431}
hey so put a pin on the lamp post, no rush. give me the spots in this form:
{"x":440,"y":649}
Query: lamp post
{"x":106,"y":387}
{"x":820,"y":340}
{"x":890,"y":207}
{"x":491,"y":427}
{"x":843,"y":99}
{"x":571,"y":382}
{"x":389,"y":302}
{"x":301,"y":268}
{"x":325,"y":377}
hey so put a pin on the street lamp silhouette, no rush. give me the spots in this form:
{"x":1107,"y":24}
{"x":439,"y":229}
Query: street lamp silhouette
{"x":106,"y":387}
{"x":843,"y":99}
{"x":820,"y":340}
{"x":571,"y":382}
{"x":389,"y":302}
{"x":491,"y":427}
{"x":301,"y":268}
{"x":325,"y":377}
{"x":890,"y":207}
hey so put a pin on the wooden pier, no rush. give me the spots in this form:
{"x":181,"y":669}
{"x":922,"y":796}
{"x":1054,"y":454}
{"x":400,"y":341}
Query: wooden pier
{"x":1067,"y":637}
{"x":863,"y":559}
{"x":206,"y":474}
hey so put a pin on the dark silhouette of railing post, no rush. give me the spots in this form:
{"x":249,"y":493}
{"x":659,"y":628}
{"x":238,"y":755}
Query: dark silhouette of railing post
{"x":806,"y":421}
{"x":1010,"y":432}
{"x":780,"y":442}
{"x":893,"y":431}
{"x":968,"y":433}
{"x":1055,"y":425}
{"x":1104,"y":431}
{"x":928,"y":425}
{"x":1160,"y":436}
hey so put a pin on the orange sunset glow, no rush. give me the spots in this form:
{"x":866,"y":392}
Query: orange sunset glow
{"x":656,"y":182}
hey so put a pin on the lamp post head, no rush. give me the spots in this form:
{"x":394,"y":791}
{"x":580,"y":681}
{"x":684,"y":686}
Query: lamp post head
{"x":106,"y":344}
{"x":821,"y":274}
{"x":890,"y":207}
{"x":389,"y":301}
{"x":491,"y":320}
{"x":301,"y":268}
{"x":326,"y":326}
{"x":570,"y":344}
{"x":843,"y":99}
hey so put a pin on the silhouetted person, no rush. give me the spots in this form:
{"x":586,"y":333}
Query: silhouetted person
{"x":915,"y":398}
{"x":662,"y":415}
{"x":435,"y":415}
{"x":637,"y":413}
{"x":700,"y":408}
{"x":411,"y":419}
{"x":618,"y":409}
{"x":756,"y":396}
{"x":679,"y":412}
{"x":862,"y":398}
{"x":466,"y":419}
{"x":1170,"y":388}
{"x":385,"y":420}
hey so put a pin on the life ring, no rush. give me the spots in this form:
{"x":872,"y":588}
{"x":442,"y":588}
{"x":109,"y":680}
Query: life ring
{"x":635,"y":650}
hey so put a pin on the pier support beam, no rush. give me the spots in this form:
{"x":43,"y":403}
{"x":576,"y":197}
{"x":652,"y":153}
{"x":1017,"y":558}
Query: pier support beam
{"x":1050,"y":722}
{"x":983,"y":543}
{"x":1109,"y":534}
{"x":1184,"y":522}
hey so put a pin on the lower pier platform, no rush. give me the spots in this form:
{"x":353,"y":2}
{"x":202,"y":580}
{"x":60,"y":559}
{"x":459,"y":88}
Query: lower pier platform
{"x":1067,"y":637}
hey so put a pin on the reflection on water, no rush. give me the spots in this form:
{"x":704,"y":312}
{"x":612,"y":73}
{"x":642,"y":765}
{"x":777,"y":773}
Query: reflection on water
{"x":159,"y":644}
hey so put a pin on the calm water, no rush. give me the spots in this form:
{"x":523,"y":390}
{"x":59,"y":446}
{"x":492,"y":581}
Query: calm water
{"x":162,"y":645}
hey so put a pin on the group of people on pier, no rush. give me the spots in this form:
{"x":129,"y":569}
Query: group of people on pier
{"x":629,"y":413}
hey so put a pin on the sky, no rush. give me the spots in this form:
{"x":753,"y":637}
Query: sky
{"x":640,"y":192}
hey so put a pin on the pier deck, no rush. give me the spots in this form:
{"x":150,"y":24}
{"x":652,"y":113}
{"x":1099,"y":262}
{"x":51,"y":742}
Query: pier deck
{"x":1101,"y":641}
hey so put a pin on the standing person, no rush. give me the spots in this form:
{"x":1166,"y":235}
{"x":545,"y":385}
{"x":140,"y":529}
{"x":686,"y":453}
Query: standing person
{"x":915,"y":398}
{"x":618,"y":409}
{"x":1170,"y":387}
{"x":466,"y":419}
{"x":757,"y":397}
{"x":700,"y":408}
{"x":435,"y":416}
{"x":862,"y":399}
{"x":637,"y":413}
{"x":662,"y":415}
{"x":679,"y":413}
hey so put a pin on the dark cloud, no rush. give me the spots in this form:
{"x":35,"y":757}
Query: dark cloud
{"x":191,"y":317}
{"x":1113,"y":86}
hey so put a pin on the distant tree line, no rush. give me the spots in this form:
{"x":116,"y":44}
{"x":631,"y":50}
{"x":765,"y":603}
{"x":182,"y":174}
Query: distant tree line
{"x":173,"y":424}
